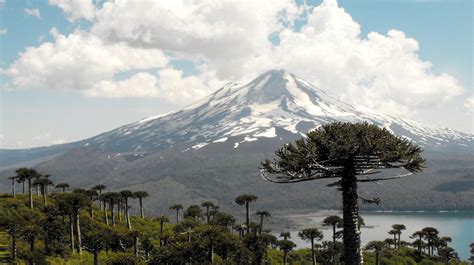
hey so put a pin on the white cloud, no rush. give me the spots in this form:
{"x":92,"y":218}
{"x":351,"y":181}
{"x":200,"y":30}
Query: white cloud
{"x":3,"y":31}
{"x":76,"y":9}
{"x":79,"y":61}
{"x":228,"y":40}
{"x":469,"y":104}
{"x":33,"y":12}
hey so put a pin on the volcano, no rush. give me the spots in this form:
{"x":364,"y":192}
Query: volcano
{"x":211,"y":150}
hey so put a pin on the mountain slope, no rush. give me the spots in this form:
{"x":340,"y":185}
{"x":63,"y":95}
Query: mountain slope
{"x":274,"y":100}
{"x":211,"y":150}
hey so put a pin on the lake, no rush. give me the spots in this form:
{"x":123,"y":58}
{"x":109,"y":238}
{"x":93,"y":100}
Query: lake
{"x":459,"y":225}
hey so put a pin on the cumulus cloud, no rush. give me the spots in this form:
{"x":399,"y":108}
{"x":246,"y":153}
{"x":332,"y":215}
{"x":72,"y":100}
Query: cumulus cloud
{"x":33,"y":12}
{"x":76,"y":9}
{"x":229,"y":40}
{"x":78,"y":61}
{"x":3,"y":31}
{"x":469,"y":104}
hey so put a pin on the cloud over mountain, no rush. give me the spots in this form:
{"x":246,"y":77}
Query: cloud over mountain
{"x":231,"y":41}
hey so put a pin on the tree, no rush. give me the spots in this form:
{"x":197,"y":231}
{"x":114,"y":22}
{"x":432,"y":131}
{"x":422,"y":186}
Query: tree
{"x":430,"y":234}
{"x":350,"y":153}
{"x":418,"y":235}
{"x":177,"y":208}
{"x":194,"y":212}
{"x":13,"y":179}
{"x":43,"y":183}
{"x":62,"y":186}
{"x":13,"y":218}
{"x":140,"y":195}
{"x":72,"y":203}
{"x":394,"y":233}
{"x":207,"y":206}
{"x":162,"y":219}
{"x":398,"y":229}
{"x":126,"y":194}
{"x":262,"y":215}
{"x":95,"y":240}
{"x":27,"y":174}
{"x":285,"y":235}
{"x":99,"y":188}
{"x":93,"y":195}
{"x":334,"y":221}
{"x":377,"y":247}
{"x":311,"y":234}
{"x":246,"y":199}
{"x":286,"y":246}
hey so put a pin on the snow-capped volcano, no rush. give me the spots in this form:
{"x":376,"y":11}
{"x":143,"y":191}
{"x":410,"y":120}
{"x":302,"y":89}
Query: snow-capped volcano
{"x":211,"y":150}
{"x":276,"y":102}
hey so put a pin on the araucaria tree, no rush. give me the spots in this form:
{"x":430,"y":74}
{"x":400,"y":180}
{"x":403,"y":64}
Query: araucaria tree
{"x":311,"y":234}
{"x":349,"y":153}
{"x":246,"y":199}
{"x":177,"y":208}
{"x":27,"y":174}
{"x":140,"y":195}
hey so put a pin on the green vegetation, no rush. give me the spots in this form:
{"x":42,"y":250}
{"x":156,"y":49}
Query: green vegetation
{"x":89,"y":226}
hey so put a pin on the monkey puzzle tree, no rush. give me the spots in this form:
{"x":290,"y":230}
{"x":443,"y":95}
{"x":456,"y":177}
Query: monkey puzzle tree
{"x":311,"y":234}
{"x":334,"y":221}
{"x":63,"y":186}
{"x":207,"y":206}
{"x":13,"y":179}
{"x":99,"y":188}
{"x":350,"y":153}
{"x":28,"y":174}
{"x":262,"y":215}
{"x":126,"y":194}
{"x":398,"y":228}
{"x":246,"y":199}
{"x":43,"y":182}
{"x":140,"y":195}
{"x":286,"y":246}
{"x":162,"y":219}
{"x":376,"y":247}
{"x":177,"y":208}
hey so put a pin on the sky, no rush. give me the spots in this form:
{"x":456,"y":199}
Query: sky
{"x":71,"y":69}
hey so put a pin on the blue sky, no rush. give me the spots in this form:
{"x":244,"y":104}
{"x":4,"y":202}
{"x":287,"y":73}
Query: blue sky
{"x":34,"y":113}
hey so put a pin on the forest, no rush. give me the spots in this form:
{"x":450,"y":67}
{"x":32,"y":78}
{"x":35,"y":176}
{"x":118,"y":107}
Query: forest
{"x":53,"y":223}
{"x":61,"y":225}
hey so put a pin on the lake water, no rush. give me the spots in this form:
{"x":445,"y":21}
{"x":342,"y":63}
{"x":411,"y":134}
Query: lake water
{"x":458,"y":225}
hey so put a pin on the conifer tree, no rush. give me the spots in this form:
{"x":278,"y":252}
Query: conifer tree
{"x":351,"y":154}
{"x":246,"y":199}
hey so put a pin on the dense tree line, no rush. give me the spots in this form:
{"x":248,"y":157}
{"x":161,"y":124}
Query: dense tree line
{"x":43,"y":225}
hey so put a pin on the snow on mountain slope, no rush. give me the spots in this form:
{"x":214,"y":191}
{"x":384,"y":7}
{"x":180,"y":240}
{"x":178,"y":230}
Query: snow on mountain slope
{"x":275,"y":101}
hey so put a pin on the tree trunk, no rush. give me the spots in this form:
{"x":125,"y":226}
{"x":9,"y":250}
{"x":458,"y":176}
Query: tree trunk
{"x":377,"y":258}
{"x":37,"y":191}
{"x":91,"y":210}
{"x":113,"y":213}
{"x":14,"y":248}
{"x":24,"y":189}
{"x":334,"y":232}
{"x":399,"y":241}
{"x":105,"y":213}
{"x":96,"y":257}
{"x":177,"y":215}
{"x":135,"y":245}
{"x":119,"y":211}
{"x":140,"y":200}
{"x":44,"y":196}
{"x":261,"y":224}
{"x":13,"y":188}
{"x":161,"y":233}
{"x":350,"y":217}
{"x":30,"y":193}
{"x":247,"y":217}
{"x":127,"y":215}
{"x":285,"y":257}
{"x":313,"y":257}
{"x":78,"y":231}
{"x":32,"y":245}
{"x":71,"y":232}
{"x":211,"y":250}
